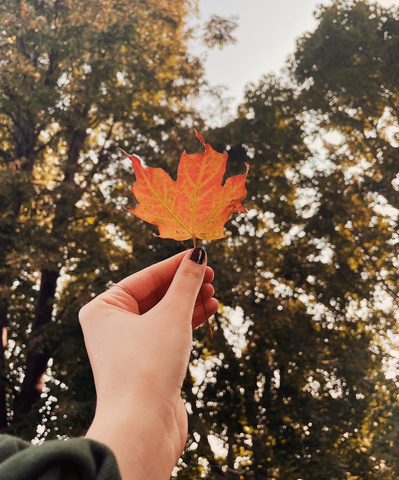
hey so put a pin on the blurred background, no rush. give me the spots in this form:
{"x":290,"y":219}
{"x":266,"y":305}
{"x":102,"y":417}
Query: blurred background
{"x":299,"y":381}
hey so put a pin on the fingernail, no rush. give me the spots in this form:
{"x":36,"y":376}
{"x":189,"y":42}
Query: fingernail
{"x":198,"y":255}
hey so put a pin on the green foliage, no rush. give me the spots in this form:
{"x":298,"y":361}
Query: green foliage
{"x":292,"y":384}
{"x":77,"y":80}
{"x":218,"y":31}
{"x":292,"y":402}
{"x":303,"y":395}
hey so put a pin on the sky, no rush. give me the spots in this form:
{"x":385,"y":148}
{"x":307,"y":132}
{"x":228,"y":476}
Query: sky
{"x":265,"y":37}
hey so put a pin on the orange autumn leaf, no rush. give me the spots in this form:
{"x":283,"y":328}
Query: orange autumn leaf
{"x":196,"y":205}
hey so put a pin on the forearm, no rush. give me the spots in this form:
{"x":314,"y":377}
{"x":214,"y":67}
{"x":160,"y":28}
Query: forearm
{"x":142,"y":436}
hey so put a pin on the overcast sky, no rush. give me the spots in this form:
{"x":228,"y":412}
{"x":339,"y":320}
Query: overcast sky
{"x":265,"y":37}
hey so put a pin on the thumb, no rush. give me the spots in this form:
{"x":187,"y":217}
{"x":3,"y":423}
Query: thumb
{"x":186,"y":283}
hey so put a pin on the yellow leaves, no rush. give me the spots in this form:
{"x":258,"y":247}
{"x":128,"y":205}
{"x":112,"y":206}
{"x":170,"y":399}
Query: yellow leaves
{"x":353,"y":264}
{"x":356,"y":59}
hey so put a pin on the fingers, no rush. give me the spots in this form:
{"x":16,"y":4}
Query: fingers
{"x":199,"y":317}
{"x":184,"y":289}
{"x":155,"y":296}
{"x":152,"y":278}
{"x":209,"y":275}
{"x":150,"y":285}
{"x":206,"y":292}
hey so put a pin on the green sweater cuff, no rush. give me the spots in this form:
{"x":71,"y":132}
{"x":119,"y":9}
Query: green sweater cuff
{"x":74,"y":459}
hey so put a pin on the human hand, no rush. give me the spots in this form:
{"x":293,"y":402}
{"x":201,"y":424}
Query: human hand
{"x":139,"y":347}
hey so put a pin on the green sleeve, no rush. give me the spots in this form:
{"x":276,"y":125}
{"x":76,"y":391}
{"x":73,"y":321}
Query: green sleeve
{"x":75,"y":459}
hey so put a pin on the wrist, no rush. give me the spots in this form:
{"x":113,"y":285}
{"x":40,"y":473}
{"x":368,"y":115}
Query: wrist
{"x":140,"y":430}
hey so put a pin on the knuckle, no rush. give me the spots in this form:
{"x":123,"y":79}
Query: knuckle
{"x":84,"y":313}
{"x":189,"y":273}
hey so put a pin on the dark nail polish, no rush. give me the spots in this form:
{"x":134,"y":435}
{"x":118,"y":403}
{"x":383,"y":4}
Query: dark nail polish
{"x":198,"y":255}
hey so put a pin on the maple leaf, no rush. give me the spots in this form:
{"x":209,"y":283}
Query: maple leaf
{"x":196,"y":205}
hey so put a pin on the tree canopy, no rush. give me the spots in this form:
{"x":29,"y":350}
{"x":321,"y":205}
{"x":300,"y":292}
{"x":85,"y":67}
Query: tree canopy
{"x":78,"y":79}
{"x":292,"y":384}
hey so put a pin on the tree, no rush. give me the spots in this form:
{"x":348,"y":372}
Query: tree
{"x":350,"y":65}
{"x":359,"y":98}
{"x":218,"y":31}
{"x":292,"y":384}
{"x":78,"y":79}
{"x":298,"y":391}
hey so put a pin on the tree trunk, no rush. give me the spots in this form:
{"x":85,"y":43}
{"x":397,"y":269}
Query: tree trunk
{"x":7,"y":238}
{"x":230,"y":451}
{"x":38,"y":353}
